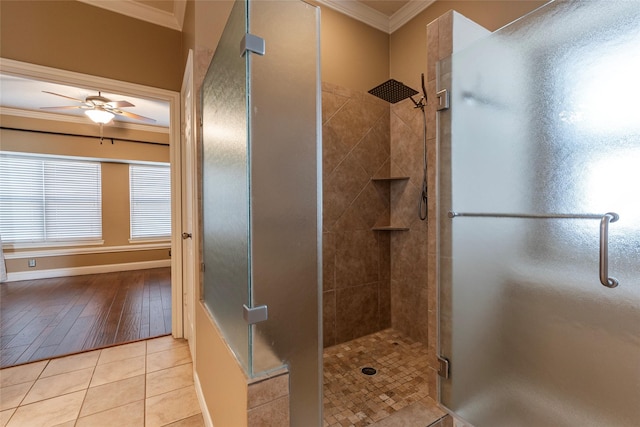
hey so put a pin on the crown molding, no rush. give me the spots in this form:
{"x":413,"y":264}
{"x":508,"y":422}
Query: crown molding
{"x":144,"y":12}
{"x":407,"y":12}
{"x":359,"y":11}
{"x":179,"y":11}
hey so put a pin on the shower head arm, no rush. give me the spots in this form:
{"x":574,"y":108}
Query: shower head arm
{"x":419,"y":104}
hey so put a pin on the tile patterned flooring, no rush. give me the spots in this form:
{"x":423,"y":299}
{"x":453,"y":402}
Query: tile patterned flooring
{"x":354,"y":399}
{"x":142,"y":384}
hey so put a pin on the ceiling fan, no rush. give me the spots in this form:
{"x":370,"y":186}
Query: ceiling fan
{"x":100,"y":109}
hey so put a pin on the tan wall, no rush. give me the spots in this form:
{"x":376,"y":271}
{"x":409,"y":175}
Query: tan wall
{"x":71,"y":35}
{"x":354,"y":55}
{"x":115,"y":204}
{"x":115,"y":185}
{"x":223,"y":382}
{"x":86,"y":260}
{"x":408,"y":45}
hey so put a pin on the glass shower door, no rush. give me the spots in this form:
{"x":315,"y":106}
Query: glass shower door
{"x":543,"y":137}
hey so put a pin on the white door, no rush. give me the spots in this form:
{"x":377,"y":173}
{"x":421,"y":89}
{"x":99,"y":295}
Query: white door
{"x":189,"y":203}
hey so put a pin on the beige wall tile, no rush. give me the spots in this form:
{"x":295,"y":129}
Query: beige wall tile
{"x":131,"y":415}
{"x":272,"y":414}
{"x":57,"y":385}
{"x":432,"y":50}
{"x":356,"y":311}
{"x":329,"y":318}
{"x":48,"y":412}
{"x":445,"y":35}
{"x":113,"y":394}
{"x":265,"y":391}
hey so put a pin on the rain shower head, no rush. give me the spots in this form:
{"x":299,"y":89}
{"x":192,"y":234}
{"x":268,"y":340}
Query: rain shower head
{"x":393,"y":91}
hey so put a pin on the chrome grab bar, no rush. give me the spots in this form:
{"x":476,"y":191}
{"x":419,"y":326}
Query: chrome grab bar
{"x":605,"y":220}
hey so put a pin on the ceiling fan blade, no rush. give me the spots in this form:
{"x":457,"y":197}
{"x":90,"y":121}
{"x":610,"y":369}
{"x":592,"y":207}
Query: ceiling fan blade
{"x":134,"y":116}
{"x":64,"y":96}
{"x":66,"y":107}
{"x":119,"y":104}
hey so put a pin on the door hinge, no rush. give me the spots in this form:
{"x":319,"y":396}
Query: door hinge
{"x":443,"y":100}
{"x":443,"y":367}
{"x":252,"y":43}
{"x":254,"y":314}
{"x":202,"y":266}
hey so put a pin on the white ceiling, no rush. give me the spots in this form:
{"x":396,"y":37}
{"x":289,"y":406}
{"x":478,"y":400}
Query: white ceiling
{"x":18,"y":94}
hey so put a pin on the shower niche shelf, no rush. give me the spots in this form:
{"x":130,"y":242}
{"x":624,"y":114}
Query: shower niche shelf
{"x":389,"y":180}
{"x":390,"y":228}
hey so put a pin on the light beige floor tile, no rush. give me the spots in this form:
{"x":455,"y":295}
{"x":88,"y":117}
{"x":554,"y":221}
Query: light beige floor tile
{"x":11,"y":396}
{"x":122,"y":352}
{"x":168,"y":358}
{"x":67,"y":424}
{"x":71,"y":363}
{"x":57,"y":385}
{"x":131,"y":415}
{"x":21,"y":374}
{"x":194,"y":421}
{"x":169,"y":379}
{"x":5,"y":416}
{"x":112,"y":395}
{"x":164,"y":343}
{"x":171,"y":407}
{"x":116,"y":371}
{"x":48,"y":412}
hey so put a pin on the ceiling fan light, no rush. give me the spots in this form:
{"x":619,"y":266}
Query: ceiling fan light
{"x":100,"y":116}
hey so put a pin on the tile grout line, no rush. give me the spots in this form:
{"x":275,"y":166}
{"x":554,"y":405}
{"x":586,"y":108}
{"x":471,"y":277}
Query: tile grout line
{"x":88,"y":387}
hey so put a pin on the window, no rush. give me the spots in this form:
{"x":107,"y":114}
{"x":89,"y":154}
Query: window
{"x":44,"y":199}
{"x":150,"y":201}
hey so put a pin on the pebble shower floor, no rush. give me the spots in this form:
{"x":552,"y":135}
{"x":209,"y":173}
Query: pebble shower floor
{"x":352,"y":398}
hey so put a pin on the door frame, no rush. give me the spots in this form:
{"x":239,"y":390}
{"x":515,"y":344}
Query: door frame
{"x":71,"y":78}
{"x":191,"y":270}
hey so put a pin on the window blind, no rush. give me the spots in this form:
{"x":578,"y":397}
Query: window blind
{"x":48,"y":199}
{"x":150,"y":201}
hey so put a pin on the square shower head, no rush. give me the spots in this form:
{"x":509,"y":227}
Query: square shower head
{"x":392,"y":91}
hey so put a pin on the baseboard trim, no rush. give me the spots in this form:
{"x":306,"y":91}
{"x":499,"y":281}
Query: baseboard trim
{"x":90,"y":269}
{"x":203,"y":405}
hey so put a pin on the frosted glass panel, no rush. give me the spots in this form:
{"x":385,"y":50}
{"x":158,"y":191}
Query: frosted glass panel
{"x":225,"y":189}
{"x":285,"y":198}
{"x":543,"y":120}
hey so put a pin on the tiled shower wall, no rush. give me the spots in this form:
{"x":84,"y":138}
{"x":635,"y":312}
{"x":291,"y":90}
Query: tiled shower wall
{"x":372,"y":279}
{"x":409,"y":296}
{"x":356,"y":275}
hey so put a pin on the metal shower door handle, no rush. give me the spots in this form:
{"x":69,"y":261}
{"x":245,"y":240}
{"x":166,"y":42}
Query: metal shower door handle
{"x":609,"y":282}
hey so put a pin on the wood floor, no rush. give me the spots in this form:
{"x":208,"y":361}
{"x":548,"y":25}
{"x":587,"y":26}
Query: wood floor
{"x":41,"y":319}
